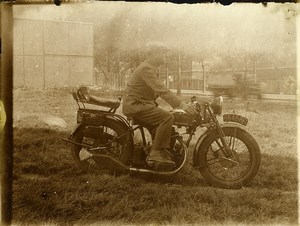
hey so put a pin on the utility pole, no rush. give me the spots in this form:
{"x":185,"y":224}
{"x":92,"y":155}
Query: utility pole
{"x":167,"y":72}
{"x":6,"y":97}
{"x":119,"y":73}
{"x":204,"y":79}
{"x":246,"y":66}
{"x":179,"y":75}
{"x":254,"y":70}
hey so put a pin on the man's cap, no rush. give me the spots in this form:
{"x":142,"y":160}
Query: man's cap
{"x":156,"y":45}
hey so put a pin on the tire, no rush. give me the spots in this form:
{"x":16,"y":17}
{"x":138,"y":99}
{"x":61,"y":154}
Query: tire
{"x":94,"y":137}
{"x":241,"y":167}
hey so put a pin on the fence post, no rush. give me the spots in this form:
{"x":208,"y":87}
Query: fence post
{"x":254,"y":70}
{"x":107,"y":71}
{"x":204,"y":79}
{"x":119,"y":74}
{"x":281,"y":85}
{"x":44,"y":66}
{"x":179,"y":75}
{"x":246,"y":68}
{"x":167,"y":72}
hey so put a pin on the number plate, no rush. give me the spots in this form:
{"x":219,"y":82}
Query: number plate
{"x":235,"y":118}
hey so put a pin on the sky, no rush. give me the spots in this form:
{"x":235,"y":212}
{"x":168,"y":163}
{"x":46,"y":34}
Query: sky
{"x":196,"y":28}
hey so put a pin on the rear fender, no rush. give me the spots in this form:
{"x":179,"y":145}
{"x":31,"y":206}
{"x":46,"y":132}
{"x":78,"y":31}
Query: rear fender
{"x":99,"y":120}
{"x":75,"y":130}
{"x":205,"y":134}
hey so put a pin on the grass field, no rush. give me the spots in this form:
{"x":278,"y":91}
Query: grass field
{"x":48,"y":188}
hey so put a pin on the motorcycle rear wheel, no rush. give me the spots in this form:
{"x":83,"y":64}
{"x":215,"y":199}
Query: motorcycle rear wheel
{"x":230,"y":172}
{"x":97,"y":136}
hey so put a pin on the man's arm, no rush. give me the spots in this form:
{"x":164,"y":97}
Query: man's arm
{"x":150,"y":78}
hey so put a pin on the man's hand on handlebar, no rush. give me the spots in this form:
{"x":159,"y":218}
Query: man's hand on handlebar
{"x":188,"y":108}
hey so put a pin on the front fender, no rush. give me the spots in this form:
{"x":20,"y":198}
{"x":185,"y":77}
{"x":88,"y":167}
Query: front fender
{"x":205,"y":134}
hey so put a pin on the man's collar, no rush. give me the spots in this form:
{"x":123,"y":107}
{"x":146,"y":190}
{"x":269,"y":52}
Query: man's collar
{"x":155,"y":67}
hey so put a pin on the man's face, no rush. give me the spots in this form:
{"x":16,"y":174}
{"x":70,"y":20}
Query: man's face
{"x":159,"y":56}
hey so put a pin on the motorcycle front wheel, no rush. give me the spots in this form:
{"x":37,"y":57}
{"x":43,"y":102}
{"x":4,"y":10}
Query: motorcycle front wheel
{"x":114,"y":139}
{"x":235,"y":170}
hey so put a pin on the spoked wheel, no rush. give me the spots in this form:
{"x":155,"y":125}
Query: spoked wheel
{"x":236,"y":169}
{"x":112,"y":140}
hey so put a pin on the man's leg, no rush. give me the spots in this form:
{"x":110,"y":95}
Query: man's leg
{"x":161,"y":120}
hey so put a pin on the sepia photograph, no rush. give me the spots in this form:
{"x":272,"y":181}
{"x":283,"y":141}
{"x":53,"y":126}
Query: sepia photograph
{"x":148,"y":113}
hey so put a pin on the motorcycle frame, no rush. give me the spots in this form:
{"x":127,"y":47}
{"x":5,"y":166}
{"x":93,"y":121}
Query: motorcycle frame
{"x":213,"y":128}
{"x":103,"y":115}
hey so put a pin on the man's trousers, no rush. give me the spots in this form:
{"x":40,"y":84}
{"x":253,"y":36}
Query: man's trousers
{"x":159,"y":120}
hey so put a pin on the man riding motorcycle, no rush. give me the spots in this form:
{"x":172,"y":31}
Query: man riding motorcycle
{"x":139,"y":103}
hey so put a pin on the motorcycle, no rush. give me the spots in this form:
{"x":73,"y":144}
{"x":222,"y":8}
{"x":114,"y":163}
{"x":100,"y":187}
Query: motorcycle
{"x":226,"y":155}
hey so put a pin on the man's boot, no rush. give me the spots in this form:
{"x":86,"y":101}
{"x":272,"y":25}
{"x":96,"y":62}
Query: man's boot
{"x":160,"y":157}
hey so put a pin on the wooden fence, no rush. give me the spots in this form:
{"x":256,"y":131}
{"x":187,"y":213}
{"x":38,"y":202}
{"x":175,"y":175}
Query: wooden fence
{"x":272,"y":80}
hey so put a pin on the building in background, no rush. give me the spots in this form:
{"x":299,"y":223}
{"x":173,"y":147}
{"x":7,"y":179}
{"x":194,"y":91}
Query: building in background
{"x":52,"y":53}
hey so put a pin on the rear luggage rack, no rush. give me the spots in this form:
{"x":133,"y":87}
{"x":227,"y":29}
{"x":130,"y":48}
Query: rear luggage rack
{"x":83,"y":97}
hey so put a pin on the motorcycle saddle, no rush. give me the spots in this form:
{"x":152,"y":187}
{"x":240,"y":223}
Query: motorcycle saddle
{"x":84,"y":96}
{"x":103,"y":102}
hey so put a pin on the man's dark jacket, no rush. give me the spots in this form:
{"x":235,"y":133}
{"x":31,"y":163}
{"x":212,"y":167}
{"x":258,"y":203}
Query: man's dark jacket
{"x":144,"y":88}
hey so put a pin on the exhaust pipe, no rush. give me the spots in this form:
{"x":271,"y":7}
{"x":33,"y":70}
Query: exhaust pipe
{"x":113,"y":163}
